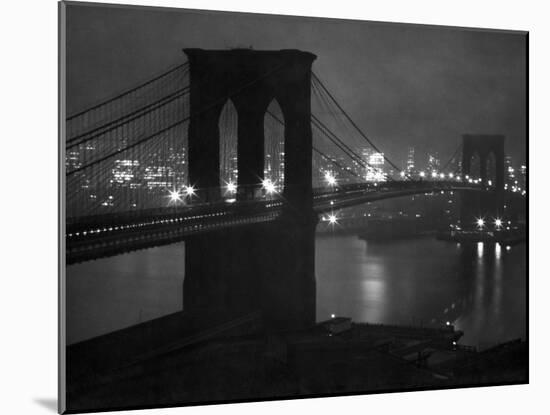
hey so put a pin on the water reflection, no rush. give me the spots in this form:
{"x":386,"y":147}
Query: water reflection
{"x":479,"y":288}
{"x":482,"y":291}
{"x":497,"y":250}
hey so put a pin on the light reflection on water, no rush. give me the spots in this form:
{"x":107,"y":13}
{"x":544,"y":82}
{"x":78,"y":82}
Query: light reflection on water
{"x":479,"y":288}
{"x":497,"y":251}
{"x":480,"y":250}
{"x":418,"y":281}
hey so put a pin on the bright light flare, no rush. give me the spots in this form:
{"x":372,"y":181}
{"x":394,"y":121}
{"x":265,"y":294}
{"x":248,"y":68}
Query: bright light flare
{"x":422,"y":174}
{"x":480,"y":222}
{"x":175,"y":196}
{"x":269,"y":186}
{"x":332,"y":219}
{"x":331,"y":180}
{"x":189,"y":191}
{"x":402,"y":174}
{"x":498,"y":222}
{"x":231,"y":187}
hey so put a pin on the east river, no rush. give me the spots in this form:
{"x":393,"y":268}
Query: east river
{"x":481,"y":289}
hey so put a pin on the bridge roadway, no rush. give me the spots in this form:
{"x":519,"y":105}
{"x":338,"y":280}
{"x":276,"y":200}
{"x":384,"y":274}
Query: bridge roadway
{"x":95,"y":237}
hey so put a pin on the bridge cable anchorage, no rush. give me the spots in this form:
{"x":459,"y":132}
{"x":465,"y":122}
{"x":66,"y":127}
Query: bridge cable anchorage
{"x":318,"y":80}
{"x":129,"y":91}
{"x":175,"y":124}
{"x":140,"y":112}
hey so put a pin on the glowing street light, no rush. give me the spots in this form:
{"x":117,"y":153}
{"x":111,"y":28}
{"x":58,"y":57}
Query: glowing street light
{"x":332,"y":219}
{"x":498,"y":223}
{"x":422,"y":174}
{"x":331,"y":180}
{"x":175,"y":196}
{"x":442,"y":175}
{"x":402,"y":174}
{"x":434,"y":174}
{"x":451,"y":175}
{"x":480,"y":223}
{"x":189,"y":191}
{"x":269,"y":186}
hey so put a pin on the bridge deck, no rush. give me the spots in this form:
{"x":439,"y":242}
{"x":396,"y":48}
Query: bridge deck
{"x":100,"y":236}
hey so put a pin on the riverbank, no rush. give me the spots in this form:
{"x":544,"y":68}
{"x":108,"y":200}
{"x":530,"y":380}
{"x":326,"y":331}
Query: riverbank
{"x":241,"y":364}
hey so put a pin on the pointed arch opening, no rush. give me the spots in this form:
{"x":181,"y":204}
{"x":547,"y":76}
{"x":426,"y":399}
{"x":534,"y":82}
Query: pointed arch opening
{"x":228,"y":124}
{"x":475,"y":166}
{"x":491,"y":169}
{"x":274,"y":147}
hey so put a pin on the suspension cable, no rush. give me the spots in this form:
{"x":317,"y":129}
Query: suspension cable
{"x":175,"y":124}
{"x":128,"y":91}
{"x":316,"y":79}
{"x":125,"y":119}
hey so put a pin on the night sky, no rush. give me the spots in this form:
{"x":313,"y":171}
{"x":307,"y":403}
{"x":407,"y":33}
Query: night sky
{"x":403,"y":84}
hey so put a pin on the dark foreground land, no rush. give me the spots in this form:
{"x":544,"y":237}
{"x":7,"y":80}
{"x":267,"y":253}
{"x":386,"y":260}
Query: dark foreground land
{"x":167,"y":362}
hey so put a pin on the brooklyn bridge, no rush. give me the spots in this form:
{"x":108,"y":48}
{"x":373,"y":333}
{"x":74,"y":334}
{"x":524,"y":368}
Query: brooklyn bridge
{"x":241,"y":153}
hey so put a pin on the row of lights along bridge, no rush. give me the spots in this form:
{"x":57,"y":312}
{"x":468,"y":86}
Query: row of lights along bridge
{"x":271,"y":188}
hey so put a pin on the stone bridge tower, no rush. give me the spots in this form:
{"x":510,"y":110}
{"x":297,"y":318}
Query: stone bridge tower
{"x":266,"y":267}
{"x":486,"y":205}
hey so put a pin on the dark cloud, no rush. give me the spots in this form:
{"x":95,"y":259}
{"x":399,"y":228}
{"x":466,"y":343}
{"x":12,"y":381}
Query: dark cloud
{"x":403,"y":84}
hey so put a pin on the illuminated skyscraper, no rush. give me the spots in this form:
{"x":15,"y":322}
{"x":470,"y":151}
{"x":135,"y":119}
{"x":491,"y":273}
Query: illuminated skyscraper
{"x":434,"y":163}
{"x":410,"y":161}
{"x":510,"y":173}
{"x":375,"y":172}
